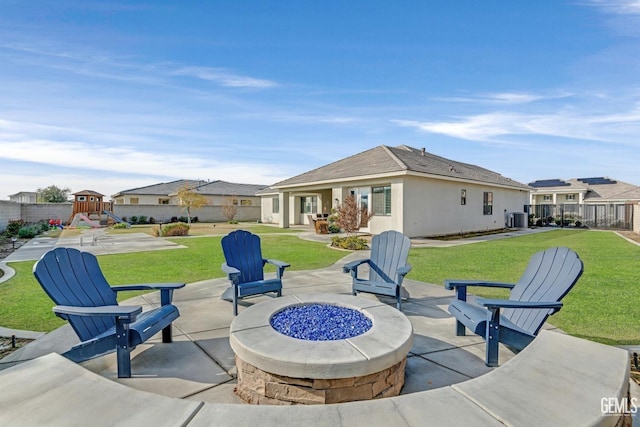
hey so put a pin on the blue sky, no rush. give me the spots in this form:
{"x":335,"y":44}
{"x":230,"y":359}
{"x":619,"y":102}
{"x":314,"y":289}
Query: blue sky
{"x":111,"y":95}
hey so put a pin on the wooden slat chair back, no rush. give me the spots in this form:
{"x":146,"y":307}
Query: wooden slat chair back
{"x":75,"y":282}
{"x":549,"y":276}
{"x":244,"y":266}
{"x":74,"y":278}
{"x":387,"y":267}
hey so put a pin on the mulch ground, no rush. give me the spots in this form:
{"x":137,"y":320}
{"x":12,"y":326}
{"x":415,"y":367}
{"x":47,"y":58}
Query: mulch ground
{"x":6,"y":346}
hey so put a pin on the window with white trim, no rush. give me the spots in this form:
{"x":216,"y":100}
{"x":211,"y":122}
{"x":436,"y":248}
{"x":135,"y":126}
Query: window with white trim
{"x":487,"y":203}
{"x":381,"y":200}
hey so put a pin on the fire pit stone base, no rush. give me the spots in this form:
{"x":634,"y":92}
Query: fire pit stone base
{"x":258,"y":387}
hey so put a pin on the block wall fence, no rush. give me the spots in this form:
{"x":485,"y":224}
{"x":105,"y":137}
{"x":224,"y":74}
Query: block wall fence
{"x":35,"y":212}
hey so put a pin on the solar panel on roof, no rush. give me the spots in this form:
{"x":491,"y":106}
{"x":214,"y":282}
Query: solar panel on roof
{"x":549,"y":183}
{"x":598,"y":180}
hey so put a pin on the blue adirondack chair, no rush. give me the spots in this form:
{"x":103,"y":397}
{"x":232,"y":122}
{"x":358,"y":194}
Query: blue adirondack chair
{"x":387,"y":267}
{"x":549,"y":276}
{"x":74,"y":281}
{"x":244,"y":267}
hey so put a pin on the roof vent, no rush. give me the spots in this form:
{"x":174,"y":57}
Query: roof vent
{"x":422,"y":151}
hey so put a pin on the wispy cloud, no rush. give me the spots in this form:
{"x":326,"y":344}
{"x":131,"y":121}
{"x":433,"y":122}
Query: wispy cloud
{"x":490,"y":127}
{"x":511,"y":98}
{"x":224,"y":77}
{"x":621,"y":7}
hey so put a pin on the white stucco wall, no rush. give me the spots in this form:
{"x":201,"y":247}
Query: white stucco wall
{"x":419,"y":206}
{"x":433,"y":207}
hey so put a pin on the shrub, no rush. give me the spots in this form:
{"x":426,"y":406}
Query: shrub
{"x":333,"y":228}
{"x":183,"y":219}
{"x":350,"y":242}
{"x":120,"y":225}
{"x":174,"y":219}
{"x":13,"y":227}
{"x":142,"y":219}
{"x":134,"y":219}
{"x":152,"y":220}
{"x":174,"y":229}
{"x":232,"y":221}
{"x":578,"y":224}
{"x":28,"y":232}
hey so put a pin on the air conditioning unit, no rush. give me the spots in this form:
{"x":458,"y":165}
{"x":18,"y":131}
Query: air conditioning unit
{"x":520,"y":220}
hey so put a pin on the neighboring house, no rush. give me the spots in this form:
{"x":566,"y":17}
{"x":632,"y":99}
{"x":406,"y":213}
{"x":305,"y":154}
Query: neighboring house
{"x":156,"y":194}
{"x":217,"y":191}
{"x":24,"y":197}
{"x":407,"y":189}
{"x":167,"y":193}
{"x":598,"y":190}
{"x":596,"y":202}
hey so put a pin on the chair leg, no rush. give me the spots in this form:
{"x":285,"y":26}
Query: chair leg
{"x":235,"y":300}
{"x":461,"y":330}
{"x":123,"y":353}
{"x":493,"y":338}
{"x":167,"y":334}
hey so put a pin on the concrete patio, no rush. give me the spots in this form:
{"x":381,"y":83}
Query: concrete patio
{"x":200,"y":364}
{"x":196,"y":374}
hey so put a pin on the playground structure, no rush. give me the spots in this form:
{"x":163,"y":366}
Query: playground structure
{"x":90,"y":211}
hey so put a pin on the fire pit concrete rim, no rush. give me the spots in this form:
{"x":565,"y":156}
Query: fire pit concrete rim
{"x":254,"y":340}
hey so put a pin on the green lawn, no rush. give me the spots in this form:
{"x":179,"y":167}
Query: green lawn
{"x":604,"y":306}
{"x":23,"y":304}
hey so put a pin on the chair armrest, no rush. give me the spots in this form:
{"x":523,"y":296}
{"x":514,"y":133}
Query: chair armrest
{"x":404,"y":270}
{"x":146,"y":286}
{"x":353,"y":265}
{"x":166,"y":289}
{"x":233,"y":273}
{"x":124,"y":312}
{"x":456,"y":283}
{"x":280,"y":265}
{"x":505,"y":303}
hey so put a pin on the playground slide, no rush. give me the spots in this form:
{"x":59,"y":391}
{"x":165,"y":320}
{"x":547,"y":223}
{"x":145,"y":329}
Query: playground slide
{"x":80,"y":220}
{"x":114,"y":217}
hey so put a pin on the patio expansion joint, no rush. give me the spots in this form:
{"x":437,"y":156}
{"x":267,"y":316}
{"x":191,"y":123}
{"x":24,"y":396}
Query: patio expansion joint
{"x":443,"y":366}
{"x":195,"y":412}
{"x":479,"y":405}
{"x":206,"y":389}
{"x":219,"y":364}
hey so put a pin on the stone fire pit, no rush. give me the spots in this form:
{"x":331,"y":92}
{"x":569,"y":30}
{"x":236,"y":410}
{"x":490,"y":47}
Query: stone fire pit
{"x":274,"y":368}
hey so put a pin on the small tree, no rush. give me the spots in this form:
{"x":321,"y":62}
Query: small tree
{"x":52,"y":194}
{"x":351,"y":217}
{"x":189,"y":200}
{"x":230,"y":207}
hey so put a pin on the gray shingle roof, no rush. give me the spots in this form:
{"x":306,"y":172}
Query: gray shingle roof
{"x":163,"y":188}
{"x":223,"y":188}
{"x":402,"y":159}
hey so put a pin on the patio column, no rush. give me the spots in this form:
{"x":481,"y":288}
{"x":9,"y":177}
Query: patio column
{"x":284,"y":209}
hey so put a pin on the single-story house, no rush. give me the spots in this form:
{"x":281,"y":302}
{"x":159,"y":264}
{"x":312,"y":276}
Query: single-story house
{"x":217,"y":191}
{"x":155,"y":194}
{"x":166,"y":193}
{"x":407,"y":189}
